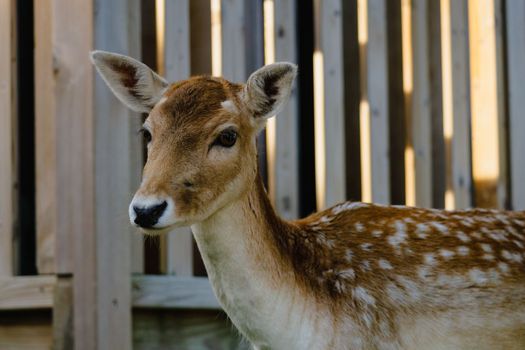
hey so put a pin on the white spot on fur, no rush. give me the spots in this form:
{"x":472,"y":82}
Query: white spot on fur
{"x":446,"y":254}
{"x":422,"y":230}
{"x":367,"y":319}
{"x":503,"y":267}
{"x":377,"y":233}
{"x":361,"y":294}
{"x":488,"y":257}
{"x":384,"y":264}
{"x":365,"y":265}
{"x":463,"y":251}
{"x":395,"y":293}
{"x":516,"y":257}
{"x":340,"y":286}
{"x":366,"y":247}
{"x":409,"y":221}
{"x":359,"y":227}
{"x":476,"y":235}
{"x":487,"y":248}
{"x":450,"y":280}
{"x":440,"y":227}
{"x":424,"y":272}
{"x":400,"y":236}
{"x":348,"y":206}
{"x":497,"y":236}
{"x":519,"y":223}
{"x":325,"y":219}
{"x":410,"y":286}
{"x":478,"y":276}
{"x":463,"y":237}
{"x":518,"y":243}
{"x":229,"y":106}
{"x":430,"y":259}
{"x":349,"y":255}
{"x":347,"y":274}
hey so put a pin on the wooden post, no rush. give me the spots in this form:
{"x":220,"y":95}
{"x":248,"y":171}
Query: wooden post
{"x":7,"y":144}
{"x":116,"y":28}
{"x":45,"y":138}
{"x":488,"y":136}
{"x":516,"y":58}
{"x":177,"y":254}
{"x":421,"y":128}
{"x":329,"y":111}
{"x":282,"y":132}
{"x":456,"y":102}
{"x":377,"y":93}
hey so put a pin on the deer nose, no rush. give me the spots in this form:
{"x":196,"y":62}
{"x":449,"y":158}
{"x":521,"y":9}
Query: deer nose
{"x":147,"y":217}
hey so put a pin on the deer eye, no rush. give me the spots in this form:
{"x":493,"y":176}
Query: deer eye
{"x":146,"y":134}
{"x":226,"y":138}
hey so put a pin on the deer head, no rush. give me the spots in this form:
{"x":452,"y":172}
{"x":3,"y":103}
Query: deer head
{"x":200,"y":134}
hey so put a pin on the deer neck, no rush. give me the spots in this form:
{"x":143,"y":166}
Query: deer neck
{"x":250,"y":276}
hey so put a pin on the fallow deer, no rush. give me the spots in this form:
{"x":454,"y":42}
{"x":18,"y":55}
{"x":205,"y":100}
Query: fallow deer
{"x":354,"y":276}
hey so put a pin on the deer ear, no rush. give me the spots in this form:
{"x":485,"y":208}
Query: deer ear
{"x":268,"y":89}
{"x":134,"y":83}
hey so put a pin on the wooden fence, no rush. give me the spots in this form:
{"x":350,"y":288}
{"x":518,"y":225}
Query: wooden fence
{"x":413,"y":102}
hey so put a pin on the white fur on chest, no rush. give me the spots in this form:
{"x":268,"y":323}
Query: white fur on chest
{"x":277,"y":317}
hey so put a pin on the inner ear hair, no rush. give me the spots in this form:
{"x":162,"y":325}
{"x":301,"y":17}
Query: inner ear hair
{"x":132,"y":82}
{"x":268,"y":89}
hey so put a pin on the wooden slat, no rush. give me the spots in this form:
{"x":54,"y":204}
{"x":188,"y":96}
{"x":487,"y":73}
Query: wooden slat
{"x":7,"y":170}
{"x":26,"y":330}
{"x":113,"y":135}
{"x":63,"y":314}
{"x":38,"y":292}
{"x":177,"y":246}
{"x":421,"y":128}
{"x":488,"y":141}
{"x":26,"y":292}
{"x":329,"y":104}
{"x":377,"y":92}
{"x":234,"y":40}
{"x":516,"y":57}
{"x":173,"y":292}
{"x":136,"y":150}
{"x":45,"y":138}
{"x":457,"y":100}
{"x":285,"y":168}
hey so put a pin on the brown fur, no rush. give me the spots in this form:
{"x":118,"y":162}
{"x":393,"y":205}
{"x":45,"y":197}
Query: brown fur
{"x":374,"y":272}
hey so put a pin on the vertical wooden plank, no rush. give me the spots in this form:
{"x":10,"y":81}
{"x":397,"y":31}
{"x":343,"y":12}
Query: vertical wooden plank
{"x":233,"y":40}
{"x":45,"y":138}
{"x":177,"y":254}
{"x":63,"y":314}
{"x":488,"y":160}
{"x":329,"y":110}
{"x":200,"y":37}
{"x":515,"y":11}
{"x":7,"y":177}
{"x":352,"y":97}
{"x":421,"y":128}
{"x":397,"y":122}
{"x":136,"y":150}
{"x":456,"y":102}
{"x":377,"y":93}
{"x":114,"y":184}
{"x":436,"y":101}
{"x":282,"y":131}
